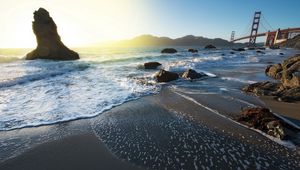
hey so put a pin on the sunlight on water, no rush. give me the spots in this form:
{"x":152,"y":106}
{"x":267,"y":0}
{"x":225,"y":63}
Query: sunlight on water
{"x":41,"y":92}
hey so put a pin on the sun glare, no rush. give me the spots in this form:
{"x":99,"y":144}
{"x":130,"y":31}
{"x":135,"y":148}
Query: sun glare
{"x":78,"y":24}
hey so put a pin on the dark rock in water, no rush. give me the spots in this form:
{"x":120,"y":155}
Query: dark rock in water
{"x":49,"y":45}
{"x":238,"y":49}
{"x":151,"y":65}
{"x":281,"y":53}
{"x":251,"y":48}
{"x":169,"y":50}
{"x":193,"y":50}
{"x":166,"y":76}
{"x":262,"y":88}
{"x":258,"y":51}
{"x":264,"y":120}
{"x":210,"y":46}
{"x":192,"y":74}
{"x":232,"y":52}
{"x":274,"y":71}
{"x":261,"y":48}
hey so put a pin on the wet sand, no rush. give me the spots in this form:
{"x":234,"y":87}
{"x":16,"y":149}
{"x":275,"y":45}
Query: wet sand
{"x":75,"y":152}
{"x":291,"y":111}
{"x":174,"y":129}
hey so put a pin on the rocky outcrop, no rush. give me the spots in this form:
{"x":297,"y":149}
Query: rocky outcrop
{"x":166,"y":76}
{"x":193,"y":50}
{"x":238,"y":49}
{"x":151,"y":65}
{"x":274,"y":71}
{"x":262,"y":119}
{"x":169,"y":50}
{"x":288,"y":86}
{"x":192,"y":74}
{"x":210,"y":46}
{"x":49,"y":44}
{"x":292,"y":43}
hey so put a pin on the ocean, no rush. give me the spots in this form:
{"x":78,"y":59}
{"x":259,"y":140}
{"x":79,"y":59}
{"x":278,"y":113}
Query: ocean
{"x":41,"y":92}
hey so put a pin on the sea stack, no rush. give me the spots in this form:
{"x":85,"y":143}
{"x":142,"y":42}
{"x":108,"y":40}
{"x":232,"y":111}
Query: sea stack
{"x":49,"y":45}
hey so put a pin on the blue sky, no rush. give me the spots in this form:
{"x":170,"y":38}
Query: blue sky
{"x":89,"y":21}
{"x":217,"y":18}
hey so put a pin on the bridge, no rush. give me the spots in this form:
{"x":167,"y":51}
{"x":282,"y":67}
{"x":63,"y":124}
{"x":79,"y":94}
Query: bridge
{"x":273,"y":37}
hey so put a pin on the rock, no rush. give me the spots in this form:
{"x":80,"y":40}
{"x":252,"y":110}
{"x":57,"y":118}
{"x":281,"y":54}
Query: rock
{"x":193,"y":50}
{"x":261,"y":48}
{"x":210,"y":46}
{"x":281,"y":53}
{"x":264,"y":120}
{"x":262,"y":88}
{"x":288,"y":95}
{"x":274,"y":71}
{"x":238,"y":49}
{"x":251,"y":48}
{"x":276,"y":129}
{"x":192,"y":74}
{"x":169,"y":50}
{"x":151,"y":65}
{"x":165,"y":76}
{"x":291,"y":72}
{"x":232,"y":52}
{"x":49,"y":45}
{"x":258,"y":51}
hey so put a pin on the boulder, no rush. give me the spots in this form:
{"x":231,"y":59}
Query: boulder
{"x":288,"y":95}
{"x":264,"y":120}
{"x":232,"y":52}
{"x":274,"y":71}
{"x":262,"y":88}
{"x":169,"y":50}
{"x":49,"y":44}
{"x":165,"y":76}
{"x":151,"y":65}
{"x":291,"y":72}
{"x":238,"y":49}
{"x":258,"y":51}
{"x":210,"y":46}
{"x":192,"y":74}
{"x":193,"y":50}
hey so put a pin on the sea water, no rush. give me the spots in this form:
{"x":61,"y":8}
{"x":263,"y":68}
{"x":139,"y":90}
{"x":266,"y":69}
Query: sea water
{"x":40,"y":92}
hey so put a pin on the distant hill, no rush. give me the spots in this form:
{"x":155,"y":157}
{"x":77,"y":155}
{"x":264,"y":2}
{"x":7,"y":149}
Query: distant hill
{"x":189,"y":40}
{"x":292,"y":43}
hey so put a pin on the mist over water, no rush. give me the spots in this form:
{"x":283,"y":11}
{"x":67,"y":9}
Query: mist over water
{"x":42,"y":92}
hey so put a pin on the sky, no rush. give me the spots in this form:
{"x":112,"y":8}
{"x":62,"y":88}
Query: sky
{"x":82,"y":22}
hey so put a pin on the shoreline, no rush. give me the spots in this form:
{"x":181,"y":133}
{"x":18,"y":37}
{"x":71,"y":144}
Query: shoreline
{"x":115,"y":134}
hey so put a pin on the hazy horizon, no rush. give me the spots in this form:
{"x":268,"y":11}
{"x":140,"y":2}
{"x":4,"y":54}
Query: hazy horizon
{"x":81,"y":23}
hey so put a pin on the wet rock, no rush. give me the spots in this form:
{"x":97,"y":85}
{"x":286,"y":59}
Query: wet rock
{"x":258,"y":51}
{"x":261,"y":48}
{"x":291,"y":72}
{"x":281,"y":53}
{"x":262,"y":88}
{"x":166,"y":76}
{"x":151,"y":65}
{"x":169,"y":50}
{"x":192,"y":74}
{"x":264,"y":120}
{"x":193,"y":50}
{"x":210,"y":46}
{"x":49,"y":44}
{"x":238,"y":49}
{"x":288,"y":95}
{"x":274,"y":71}
{"x":232,"y":52}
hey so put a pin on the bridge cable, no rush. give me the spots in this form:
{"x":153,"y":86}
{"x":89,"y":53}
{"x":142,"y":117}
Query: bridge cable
{"x":265,"y":20}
